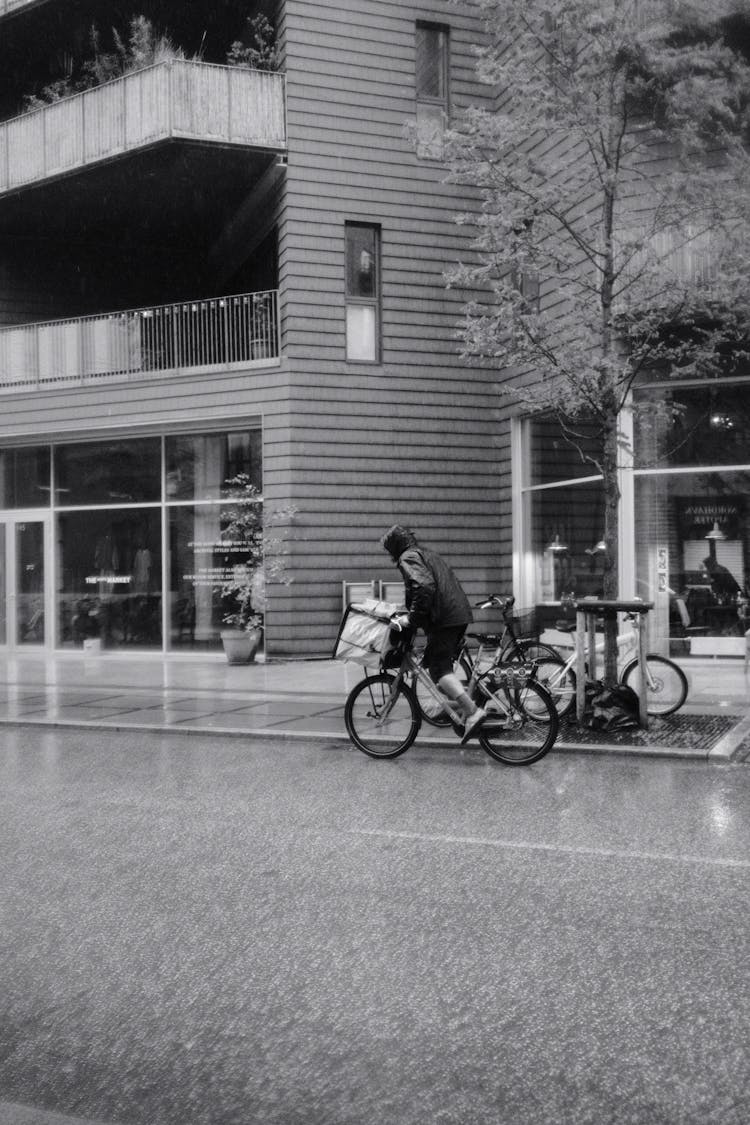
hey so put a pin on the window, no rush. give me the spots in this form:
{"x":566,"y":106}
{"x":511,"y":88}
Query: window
{"x":24,"y":477}
{"x":362,"y":293}
{"x":432,"y":69}
{"x":139,"y":553}
{"x":108,"y":472}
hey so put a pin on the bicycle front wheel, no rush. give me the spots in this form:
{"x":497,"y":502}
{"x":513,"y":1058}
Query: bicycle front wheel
{"x":522,"y":724}
{"x":666,"y":684}
{"x":378,"y":724}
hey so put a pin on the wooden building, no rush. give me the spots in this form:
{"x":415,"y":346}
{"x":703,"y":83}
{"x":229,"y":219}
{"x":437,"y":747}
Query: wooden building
{"x":209,"y":269}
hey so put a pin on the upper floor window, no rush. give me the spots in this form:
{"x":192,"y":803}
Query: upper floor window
{"x":432,"y":70}
{"x":362,"y":292}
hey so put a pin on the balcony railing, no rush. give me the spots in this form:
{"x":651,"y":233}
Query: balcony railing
{"x":218,"y":332}
{"x":190,"y":100}
{"x":686,"y":257}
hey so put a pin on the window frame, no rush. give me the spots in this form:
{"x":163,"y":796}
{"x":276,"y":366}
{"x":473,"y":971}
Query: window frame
{"x":353,"y":300}
{"x":427,"y":150}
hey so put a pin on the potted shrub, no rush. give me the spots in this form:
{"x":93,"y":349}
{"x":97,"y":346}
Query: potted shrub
{"x":246,"y":536}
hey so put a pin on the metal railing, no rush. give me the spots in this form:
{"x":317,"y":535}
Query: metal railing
{"x":688,"y":257}
{"x":177,"y":98}
{"x":192,"y":334}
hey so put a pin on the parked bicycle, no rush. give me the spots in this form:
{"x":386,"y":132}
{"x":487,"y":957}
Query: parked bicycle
{"x":666,"y":683}
{"x":383,"y":715}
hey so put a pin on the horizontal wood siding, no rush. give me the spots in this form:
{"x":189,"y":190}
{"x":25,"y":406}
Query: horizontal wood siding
{"x":421,"y":438}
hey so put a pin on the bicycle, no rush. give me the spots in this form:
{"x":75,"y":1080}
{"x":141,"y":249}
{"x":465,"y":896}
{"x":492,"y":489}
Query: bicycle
{"x":496,"y":650}
{"x":666,"y":683}
{"x":383,"y":716}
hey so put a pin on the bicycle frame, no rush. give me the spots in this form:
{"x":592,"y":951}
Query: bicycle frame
{"x":479,"y":678}
{"x":622,"y":639}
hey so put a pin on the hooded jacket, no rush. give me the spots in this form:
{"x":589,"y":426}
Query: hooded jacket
{"x":434,"y":597}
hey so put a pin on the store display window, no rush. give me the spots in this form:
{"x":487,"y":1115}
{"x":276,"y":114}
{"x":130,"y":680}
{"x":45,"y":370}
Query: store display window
{"x":692,"y":550}
{"x":567,"y":552}
{"x":201,"y":560}
{"x":109,"y":573}
{"x":691,"y":514}
{"x":133,"y":543}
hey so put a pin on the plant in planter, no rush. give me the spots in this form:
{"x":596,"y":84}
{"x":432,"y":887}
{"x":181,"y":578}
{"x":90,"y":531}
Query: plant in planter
{"x":258,"y":49}
{"x":247,"y":537}
{"x":143,"y":45}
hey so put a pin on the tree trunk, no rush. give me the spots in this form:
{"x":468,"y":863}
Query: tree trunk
{"x":611,"y":579}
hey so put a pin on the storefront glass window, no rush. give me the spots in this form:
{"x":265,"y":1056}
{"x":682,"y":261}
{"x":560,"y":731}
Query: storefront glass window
{"x":567,"y":525}
{"x":3,"y":601}
{"x":25,"y":477}
{"x":553,"y":456}
{"x":688,"y":426}
{"x":198,"y":465}
{"x":109,"y":515}
{"x":111,"y":472}
{"x":200,"y":560}
{"x":109,"y":576}
{"x":692,"y":540}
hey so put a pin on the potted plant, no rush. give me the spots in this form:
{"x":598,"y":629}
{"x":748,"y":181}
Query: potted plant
{"x":246,"y":538}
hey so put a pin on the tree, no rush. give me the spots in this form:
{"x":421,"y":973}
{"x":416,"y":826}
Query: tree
{"x":613,"y":149}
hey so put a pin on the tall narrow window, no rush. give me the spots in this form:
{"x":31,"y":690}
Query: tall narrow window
{"x":362,"y":293}
{"x":432,"y":88}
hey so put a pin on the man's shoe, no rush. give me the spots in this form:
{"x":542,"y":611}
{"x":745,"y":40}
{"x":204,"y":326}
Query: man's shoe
{"x":473,"y":723}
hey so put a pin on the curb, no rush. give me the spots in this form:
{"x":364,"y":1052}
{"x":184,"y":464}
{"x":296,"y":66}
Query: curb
{"x":728,"y":748}
{"x":719,"y":752}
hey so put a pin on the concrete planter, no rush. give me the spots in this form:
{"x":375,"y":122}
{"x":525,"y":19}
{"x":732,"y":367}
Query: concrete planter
{"x":240,"y":647}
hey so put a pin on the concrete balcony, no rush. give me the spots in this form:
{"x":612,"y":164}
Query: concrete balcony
{"x":175,"y":100}
{"x":8,"y":7}
{"x":192,"y":336}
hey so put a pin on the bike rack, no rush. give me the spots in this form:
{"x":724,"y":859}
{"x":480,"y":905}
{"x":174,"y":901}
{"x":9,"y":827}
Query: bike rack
{"x":587,"y":611}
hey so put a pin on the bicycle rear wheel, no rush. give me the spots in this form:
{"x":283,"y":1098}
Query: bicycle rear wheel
{"x":375,"y":727}
{"x":666,"y":684}
{"x":523,"y":722}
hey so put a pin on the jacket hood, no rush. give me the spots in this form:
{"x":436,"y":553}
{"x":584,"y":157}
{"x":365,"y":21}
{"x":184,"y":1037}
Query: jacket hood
{"x":397,"y":540}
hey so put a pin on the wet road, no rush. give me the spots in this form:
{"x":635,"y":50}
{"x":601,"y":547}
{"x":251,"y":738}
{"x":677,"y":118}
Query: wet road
{"x":207,"y":930}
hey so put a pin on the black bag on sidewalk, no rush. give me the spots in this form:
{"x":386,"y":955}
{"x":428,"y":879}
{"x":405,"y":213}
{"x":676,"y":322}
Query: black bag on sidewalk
{"x":611,"y":708}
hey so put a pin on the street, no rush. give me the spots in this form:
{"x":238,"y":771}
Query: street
{"x":233,"y":931}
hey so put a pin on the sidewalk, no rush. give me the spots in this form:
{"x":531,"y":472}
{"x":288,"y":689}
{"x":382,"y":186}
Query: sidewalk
{"x":305,"y":699}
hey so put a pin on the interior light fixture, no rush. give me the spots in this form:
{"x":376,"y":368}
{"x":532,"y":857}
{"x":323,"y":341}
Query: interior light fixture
{"x":556,"y":545}
{"x":715,"y":532}
{"x":599,"y":548}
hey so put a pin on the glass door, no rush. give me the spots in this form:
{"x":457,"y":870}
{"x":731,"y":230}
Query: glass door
{"x":24,"y":583}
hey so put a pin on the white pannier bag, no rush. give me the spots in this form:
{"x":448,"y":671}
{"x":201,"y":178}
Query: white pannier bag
{"x":365,"y":632}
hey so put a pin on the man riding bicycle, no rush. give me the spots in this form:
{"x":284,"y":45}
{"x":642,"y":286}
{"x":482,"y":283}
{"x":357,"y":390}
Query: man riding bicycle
{"x":436,"y":603}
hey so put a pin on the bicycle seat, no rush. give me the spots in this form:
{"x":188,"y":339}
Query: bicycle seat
{"x":566,"y":626}
{"x":486,"y":638}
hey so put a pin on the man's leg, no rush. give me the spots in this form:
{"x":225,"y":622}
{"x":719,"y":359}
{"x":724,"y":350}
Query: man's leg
{"x":440,"y":653}
{"x":454,"y":689}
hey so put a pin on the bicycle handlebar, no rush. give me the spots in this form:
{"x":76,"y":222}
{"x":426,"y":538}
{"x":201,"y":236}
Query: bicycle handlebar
{"x":494,"y":601}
